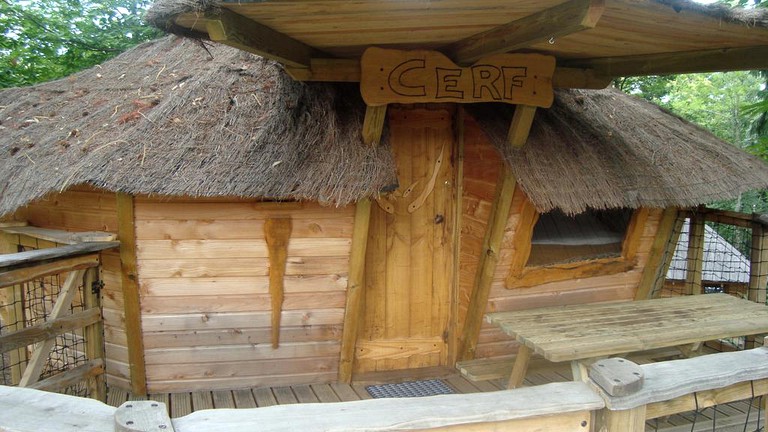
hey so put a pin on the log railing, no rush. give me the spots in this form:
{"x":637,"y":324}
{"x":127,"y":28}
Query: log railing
{"x":28,"y":347}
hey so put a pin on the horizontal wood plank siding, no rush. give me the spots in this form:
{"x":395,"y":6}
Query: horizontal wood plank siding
{"x":204,"y":283}
{"x":84,"y":208}
{"x":481,"y":170}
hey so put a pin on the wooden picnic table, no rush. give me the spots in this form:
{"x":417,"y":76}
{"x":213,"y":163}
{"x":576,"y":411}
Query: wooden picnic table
{"x":577,"y":333}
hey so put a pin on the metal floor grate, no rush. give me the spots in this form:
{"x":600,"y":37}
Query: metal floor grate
{"x":409,"y":389}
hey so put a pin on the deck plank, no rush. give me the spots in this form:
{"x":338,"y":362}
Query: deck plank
{"x":361,"y":391}
{"x":223,"y":399}
{"x":116,"y":396}
{"x":244,"y":398}
{"x":345,"y":392}
{"x":181,"y":404}
{"x":202,"y":400}
{"x":461,"y":384}
{"x":325,"y":393}
{"x":264,"y":397}
{"x":304,"y":394}
{"x":284,"y":395}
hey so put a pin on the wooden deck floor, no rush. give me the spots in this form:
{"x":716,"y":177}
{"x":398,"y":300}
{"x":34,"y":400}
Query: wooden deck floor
{"x":728,"y":417}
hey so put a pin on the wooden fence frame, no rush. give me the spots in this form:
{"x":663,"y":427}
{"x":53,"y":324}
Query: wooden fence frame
{"x":81,"y":262}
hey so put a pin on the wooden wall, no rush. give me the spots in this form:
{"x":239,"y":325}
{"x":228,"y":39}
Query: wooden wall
{"x":481,"y":169}
{"x":203,"y":276}
{"x":83,"y":208}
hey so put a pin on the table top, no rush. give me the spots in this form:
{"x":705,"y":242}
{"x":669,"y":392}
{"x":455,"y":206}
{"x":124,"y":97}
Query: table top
{"x":577,"y":332}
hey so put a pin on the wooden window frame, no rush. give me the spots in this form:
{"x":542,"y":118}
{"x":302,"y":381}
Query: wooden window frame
{"x":523,"y":276}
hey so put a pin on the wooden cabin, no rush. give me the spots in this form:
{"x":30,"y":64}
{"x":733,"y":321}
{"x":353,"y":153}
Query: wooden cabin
{"x":280,"y":225}
{"x":207,"y":195}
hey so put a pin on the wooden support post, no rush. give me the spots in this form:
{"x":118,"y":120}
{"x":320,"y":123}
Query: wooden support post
{"x":695,"y":263}
{"x":521,"y":125}
{"x":494,"y":234}
{"x":94,"y":334}
{"x":355,"y":290}
{"x":278,"y":233}
{"x":631,"y":420}
{"x":126,"y":232}
{"x":373,"y":124}
{"x":758,"y":271}
{"x":61,"y":308}
{"x":660,"y":255}
{"x":489,"y":257}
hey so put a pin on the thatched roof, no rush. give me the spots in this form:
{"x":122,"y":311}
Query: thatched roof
{"x":166,"y":118}
{"x":605,"y":149}
{"x":162,"y":119}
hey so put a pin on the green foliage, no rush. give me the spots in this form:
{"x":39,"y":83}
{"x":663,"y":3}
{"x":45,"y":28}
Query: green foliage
{"x":651,"y":88}
{"x":48,"y":39}
{"x":715,"y":101}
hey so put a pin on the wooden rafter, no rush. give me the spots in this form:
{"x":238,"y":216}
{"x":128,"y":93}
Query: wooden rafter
{"x":561,"y":20}
{"x":716,"y":60}
{"x":240,"y":32}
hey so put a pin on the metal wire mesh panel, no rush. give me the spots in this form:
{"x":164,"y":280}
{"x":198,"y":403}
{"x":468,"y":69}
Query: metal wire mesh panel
{"x":715,"y":257}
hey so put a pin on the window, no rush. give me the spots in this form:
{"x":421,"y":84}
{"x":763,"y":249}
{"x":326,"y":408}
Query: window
{"x":559,"y":238}
{"x":556,"y":247}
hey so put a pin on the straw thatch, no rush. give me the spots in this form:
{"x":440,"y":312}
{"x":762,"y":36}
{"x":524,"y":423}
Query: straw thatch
{"x":166,"y":118}
{"x":605,"y":149}
{"x":163,"y":12}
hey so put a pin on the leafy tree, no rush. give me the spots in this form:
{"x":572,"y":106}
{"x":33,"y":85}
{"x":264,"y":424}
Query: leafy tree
{"x":48,"y":39}
{"x":652,"y":88}
{"x":716,"y":101}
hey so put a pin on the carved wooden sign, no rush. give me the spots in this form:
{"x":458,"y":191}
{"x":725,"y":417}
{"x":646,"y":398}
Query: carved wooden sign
{"x":393,"y":76}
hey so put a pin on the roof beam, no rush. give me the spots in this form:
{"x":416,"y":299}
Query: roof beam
{"x":561,"y":20}
{"x":348,"y":70}
{"x":240,"y":32}
{"x":716,"y":60}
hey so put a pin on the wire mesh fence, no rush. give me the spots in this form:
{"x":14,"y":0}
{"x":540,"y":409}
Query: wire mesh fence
{"x":707,"y":255}
{"x":29,"y":304}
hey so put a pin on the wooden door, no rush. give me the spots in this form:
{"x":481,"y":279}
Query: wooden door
{"x":409,"y":264}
